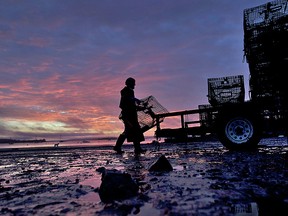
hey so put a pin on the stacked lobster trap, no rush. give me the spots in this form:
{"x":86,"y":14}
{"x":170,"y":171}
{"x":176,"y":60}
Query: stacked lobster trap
{"x":266,"y":51}
{"x":241,"y":124}
{"x":221,"y":91}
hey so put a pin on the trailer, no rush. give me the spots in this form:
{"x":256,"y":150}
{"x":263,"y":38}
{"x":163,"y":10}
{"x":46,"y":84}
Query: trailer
{"x":237,"y":123}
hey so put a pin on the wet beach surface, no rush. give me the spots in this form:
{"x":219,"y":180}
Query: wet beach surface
{"x":207,"y":179}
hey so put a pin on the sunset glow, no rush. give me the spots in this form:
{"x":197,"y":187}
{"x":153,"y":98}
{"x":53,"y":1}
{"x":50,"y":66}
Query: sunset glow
{"x":63,"y":63}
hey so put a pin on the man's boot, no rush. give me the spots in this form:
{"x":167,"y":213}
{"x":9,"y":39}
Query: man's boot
{"x":119,"y":143}
{"x":137,"y":148}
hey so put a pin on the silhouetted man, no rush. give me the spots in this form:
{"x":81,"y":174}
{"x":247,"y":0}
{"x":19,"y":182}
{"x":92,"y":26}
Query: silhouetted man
{"x":129,"y":105}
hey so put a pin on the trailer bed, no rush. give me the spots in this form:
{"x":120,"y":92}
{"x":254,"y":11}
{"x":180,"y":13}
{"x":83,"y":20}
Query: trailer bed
{"x":200,"y":127}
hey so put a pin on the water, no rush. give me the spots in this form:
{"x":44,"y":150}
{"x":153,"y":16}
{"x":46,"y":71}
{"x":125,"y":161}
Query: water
{"x":70,"y":143}
{"x":277,"y":141}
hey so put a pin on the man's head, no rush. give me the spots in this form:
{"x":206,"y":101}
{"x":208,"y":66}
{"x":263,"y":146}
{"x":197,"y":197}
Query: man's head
{"x":130,"y":82}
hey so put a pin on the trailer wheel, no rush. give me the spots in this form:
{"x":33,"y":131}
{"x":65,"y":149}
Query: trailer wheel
{"x":239,"y":132}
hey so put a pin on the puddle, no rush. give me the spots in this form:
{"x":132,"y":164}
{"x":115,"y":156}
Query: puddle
{"x":6,"y":166}
{"x":147,"y":209}
{"x":178,"y":168}
{"x":250,"y":209}
{"x":94,"y":182}
{"x":90,"y":197}
{"x":119,"y":168}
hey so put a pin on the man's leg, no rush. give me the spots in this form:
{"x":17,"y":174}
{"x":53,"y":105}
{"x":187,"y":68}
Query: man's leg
{"x":137,"y":148}
{"x":119,"y":143}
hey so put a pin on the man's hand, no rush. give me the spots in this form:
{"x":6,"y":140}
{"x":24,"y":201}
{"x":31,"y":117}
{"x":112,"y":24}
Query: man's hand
{"x":138,"y":101}
{"x":140,"y":108}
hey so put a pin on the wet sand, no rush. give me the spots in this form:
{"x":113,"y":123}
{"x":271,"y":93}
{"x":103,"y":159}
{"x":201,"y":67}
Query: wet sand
{"x":207,"y":179}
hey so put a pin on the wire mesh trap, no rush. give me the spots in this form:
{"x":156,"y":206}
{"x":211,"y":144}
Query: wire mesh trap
{"x":226,"y":90}
{"x":266,"y":51}
{"x":146,"y":116}
{"x":206,"y":117}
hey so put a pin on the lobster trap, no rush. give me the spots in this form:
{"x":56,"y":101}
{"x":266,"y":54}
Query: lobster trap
{"x":146,"y":116}
{"x":266,"y":52}
{"x":224,"y":90}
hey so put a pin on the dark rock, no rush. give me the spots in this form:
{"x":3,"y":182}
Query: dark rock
{"x":161,"y":165}
{"x":101,"y":170}
{"x":116,"y":185}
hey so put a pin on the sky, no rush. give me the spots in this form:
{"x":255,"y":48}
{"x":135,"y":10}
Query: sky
{"x":63,"y":63}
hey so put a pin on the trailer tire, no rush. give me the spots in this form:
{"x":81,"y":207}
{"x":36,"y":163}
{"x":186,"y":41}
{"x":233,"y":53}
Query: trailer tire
{"x":239,"y":131}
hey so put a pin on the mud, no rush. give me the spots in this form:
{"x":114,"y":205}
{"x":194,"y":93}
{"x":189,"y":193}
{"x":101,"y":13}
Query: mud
{"x":207,"y":179}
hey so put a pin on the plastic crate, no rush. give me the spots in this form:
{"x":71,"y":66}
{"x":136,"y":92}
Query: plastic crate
{"x":224,"y":90}
{"x":146,"y":117}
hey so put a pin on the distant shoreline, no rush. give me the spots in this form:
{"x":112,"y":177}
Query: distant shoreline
{"x":11,"y":141}
{"x":275,"y":142}
{"x":73,"y":147}
{"x":51,"y":148}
